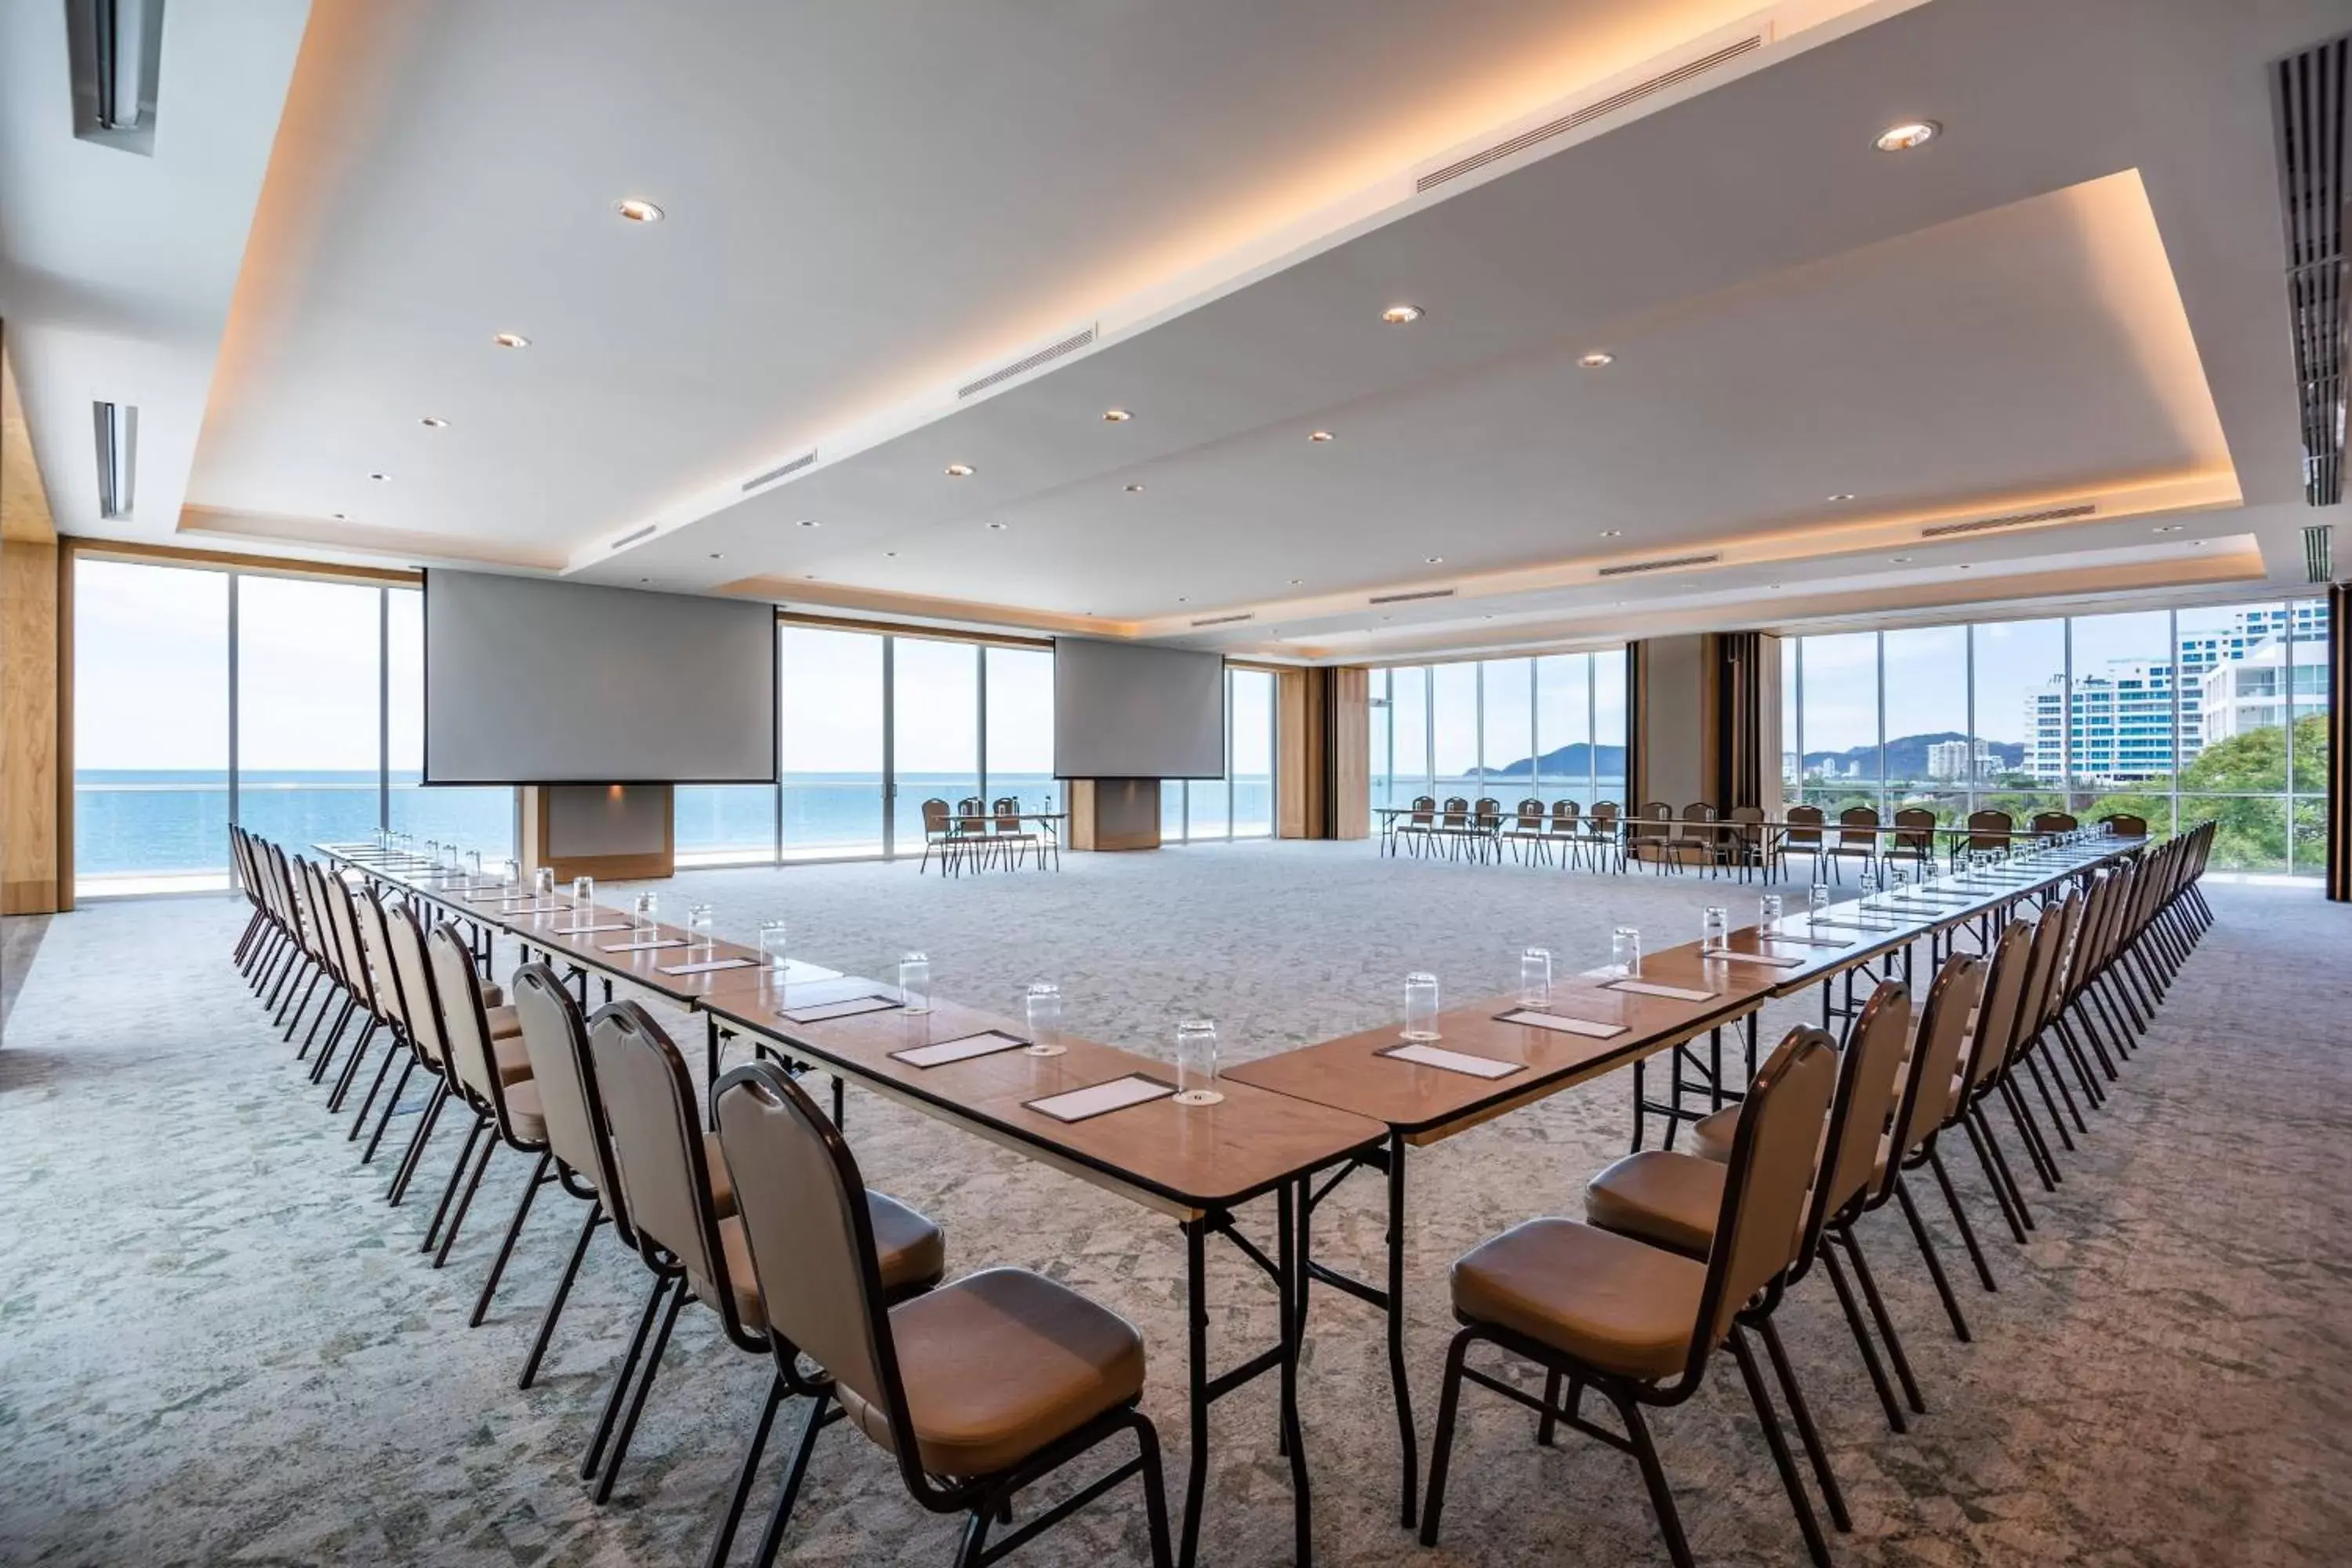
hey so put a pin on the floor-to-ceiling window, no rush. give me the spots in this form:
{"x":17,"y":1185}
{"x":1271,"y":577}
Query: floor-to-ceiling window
{"x":288,"y":704}
{"x":831,"y":687}
{"x":2173,"y":716}
{"x":1241,"y":803}
{"x":1547,"y":727}
{"x":1017,"y":750}
{"x":934,"y":727}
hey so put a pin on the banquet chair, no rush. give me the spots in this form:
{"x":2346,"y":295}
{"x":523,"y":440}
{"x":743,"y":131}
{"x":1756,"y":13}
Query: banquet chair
{"x":1526,"y":834}
{"x":1648,"y":834}
{"x":1706,"y":847}
{"x":1989,"y":831}
{"x":977,"y":1389}
{"x":501,"y":1091}
{"x":1914,"y":839}
{"x":1639,"y":1324}
{"x":938,"y":833}
{"x":1419,"y":828}
{"x":1486,"y":826}
{"x":1857,"y":837}
{"x":1603,"y":836}
{"x":1804,"y":837}
{"x":2049,"y":823}
{"x":1746,"y":847}
{"x":1567,"y":831}
{"x":1010,"y":838}
{"x":2125,"y":824}
{"x":1452,"y":824}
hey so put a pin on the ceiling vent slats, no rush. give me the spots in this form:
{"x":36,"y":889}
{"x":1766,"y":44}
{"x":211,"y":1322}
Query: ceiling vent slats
{"x":628,"y":539}
{"x":1578,"y":119}
{"x":1225,"y":620}
{"x":1409,"y":598}
{"x":2308,"y":101}
{"x":757,"y":481}
{"x":2011,"y":520}
{"x":117,"y":428}
{"x":1027,"y":363}
{"x":1664,"y":564}
{"x":2318,"y":557}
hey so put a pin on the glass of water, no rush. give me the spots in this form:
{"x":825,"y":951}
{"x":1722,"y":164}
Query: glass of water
{"x":1817,"y":901}
{"x":1768,"y":911}
{"x":702,"y":928}
{"x":772,"y":937}
{"x":542,"y":888}
{"x":1715,"y":929}
{"x":1625,"y":952}
{"x":1868,"y":878}
{"x":474,"y":867}
{"x":1535,"y":978}
{"x":583,"y":898}
{"x":1043,"y":1004}
{"x":915,"y":982}
{"x":642,"y":920}
{"x":1419,"y":1006}
{"x":1196,"y":1062}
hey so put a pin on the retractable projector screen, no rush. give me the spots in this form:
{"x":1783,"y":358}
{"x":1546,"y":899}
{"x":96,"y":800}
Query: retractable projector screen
{"x":533,"y":681}
{"x":1129,"y":710}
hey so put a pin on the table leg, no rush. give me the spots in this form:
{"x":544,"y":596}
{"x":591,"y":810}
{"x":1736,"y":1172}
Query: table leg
{"x":1291,"y":1280}
{"x":1196,"y":1329}
{"x":1410,"y":1462}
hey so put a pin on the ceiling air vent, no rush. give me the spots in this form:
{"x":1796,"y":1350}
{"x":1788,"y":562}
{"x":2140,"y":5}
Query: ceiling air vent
{"x":118,"y":456}
{"x":2013,"y":519}
{"x":628,"y":539}
{"x":2308,"y":97}
{"x":114,"y":52}
{"x":1665,"y":563}
{"x":1023,"y":366}
{"x":778,"y":472}
{"x":1225,"y":620}
{"x":2318,"y":559}
{"x":1409,"y":598}
{"x":1578,"y":119}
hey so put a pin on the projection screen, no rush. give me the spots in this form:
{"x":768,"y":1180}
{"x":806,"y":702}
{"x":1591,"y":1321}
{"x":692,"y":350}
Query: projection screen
{"x":1129,"y":710}
{"x":533,"y":681}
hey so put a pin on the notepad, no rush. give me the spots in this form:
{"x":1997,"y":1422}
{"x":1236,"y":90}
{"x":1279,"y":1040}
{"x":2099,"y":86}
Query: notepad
{"x":1791,"y":939}
{"x":1671,"y":993}
{"x":590,"y":929}
{"x":648,"y":945}
{"x":1560,"y":1024}
{"x":1859,"y":925}
{"x":1120,"y":1093}
{"x":822,"y":1012}
{"x":1726,"y":955}
{"x":987,"y":1043}
{"x":1429,"y":1056}
{"x":706,"y":965}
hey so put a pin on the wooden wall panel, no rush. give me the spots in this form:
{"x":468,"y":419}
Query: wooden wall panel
{"x":31,"y":783}
{"x":1351,"y":737}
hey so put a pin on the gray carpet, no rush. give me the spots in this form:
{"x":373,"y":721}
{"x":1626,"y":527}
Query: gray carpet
{"x":217,"y":1345}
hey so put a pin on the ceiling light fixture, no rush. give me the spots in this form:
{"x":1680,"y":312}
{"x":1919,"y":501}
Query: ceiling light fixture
{"x":810,"y":523}
{"x":510,"y":340}
{"x":1900,"y":559}
{"x":1402,"y":315}
{"x":433,"y":422}
{"x":2169,"y":527}
{"x":716,"y":557}
{"x":997,"y":526}
{"x":1117,"y":415}
{"x":381,"y":478}
{"x":1909,"y":134}
{"x":960,"y":470}
{"x":1434,"y":560}
{"x":1843,"y":495}
{"x":890,"y":555}
{"x":1132,"y":488}
{"x":1297,"y":582}
{"x":342,"y":516}
{"x":1612,"y":533}
{"x":638,"y":211}
{"x":1320,"y":436}
{"x":1598,"y":359}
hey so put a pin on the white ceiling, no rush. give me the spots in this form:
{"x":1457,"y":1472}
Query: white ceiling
{"x":2074,"y":294}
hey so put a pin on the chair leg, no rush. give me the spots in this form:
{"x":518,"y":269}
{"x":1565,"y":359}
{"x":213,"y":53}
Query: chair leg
{"x":1818,"y":1457}
{"x":1960,"y":1217}
{"x":625,"y":1377}
{"x":1993,"y":1176}
{"x":1441,"y":1452}
{"x":562,"y":1293}
{"x":2000,"y":1168}
{"x":971,"y":1551}
{"x":1653,"y":1477}
{"x":780,"y":1515}
{"x":473,"y":1185}
{"x":344,"y":1080}
{"x":407,"y":1065}
{"x":722,"y":1540}
{"x":1896,"y":1419}
{"x":539,"y":1178}
{"x":1815,"y":1543}
{"x":407,"y":1170}
{"x":644,"y":1386}
{"x":1934,"y":1264}
{"x":1878,"y":1315}
{"x":1155,"y":1491}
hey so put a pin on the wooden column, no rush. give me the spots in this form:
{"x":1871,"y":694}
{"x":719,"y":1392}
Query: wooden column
{"x":1351,"y":758}
{"x":610,"y":832}
{"x":31,"y":784}
{"x":1321,"y":775}
{"x":1114,"y":814}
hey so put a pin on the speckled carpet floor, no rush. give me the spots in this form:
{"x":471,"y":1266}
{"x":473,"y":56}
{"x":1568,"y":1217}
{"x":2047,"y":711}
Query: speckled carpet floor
{"x":217,"y":1345}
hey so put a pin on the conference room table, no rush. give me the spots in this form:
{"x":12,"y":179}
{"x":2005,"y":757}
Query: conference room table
{"x":1197,"y":1165}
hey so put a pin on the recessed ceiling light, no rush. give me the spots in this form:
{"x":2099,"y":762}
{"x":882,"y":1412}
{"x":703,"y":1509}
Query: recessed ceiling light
{"x":1900,"y":559}
{"x":1132,"y":488}
{"x":810,"y":523}
{"x":1434,"y":560}
{"x":997,"y":526}
{"x":510,"y":340}
{"x":1320,"y":436}
{"x":960,"y":470}
{"x":1297,"y":582}
{"x":2169,"y":527}
{"x":1117,"y":415}
{"x":1400,"y":315}
{"x":890,"y":554}
{"x":343,"y":516}
{"x":1776,"y":587}
{"x":1965,"y":566}
{"x":638,"y":211}
{"x":1909,"y":134}
{"x":381,"y":478}
{"x":1598,"y":359}
{"x":1612,"y":532}
{"x":1486,"y":617}
{"x":1183,"y":600}
{"x":1843,"y":495}
{"x":716,"y":557}
{"x":808,"y":577}
{"x":433,"y":422}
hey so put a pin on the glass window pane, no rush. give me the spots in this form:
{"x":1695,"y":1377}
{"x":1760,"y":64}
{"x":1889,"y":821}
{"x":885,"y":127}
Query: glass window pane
{"x":1379,"y":740}
{"x":724,"y":825}
{"x":1792,"y":772}
{"x":477,"y":817}
{"x":2252,"y":834}
{"x":2233,"y":675}
{"x":1409,"y":721}
{"x":1841,"y":721}
{"x":1021,"y":725}
{"x":1929,"y":759}
{"x":2311,"y":698}
{"x":1454,"y":719}
{"x":1564,"y":727}
{"x":1609,"y":725}
{"x":2020,"y":699}
{"x":935,"y":735}
{"x":1250,"y":764}
{"x":831,"y":742}
{"x":1172,"y":809}
{"x":2121,"y":730}
{"x":1506,"y":745}
{"x":151,"y":728}
{"x":308,"y":742}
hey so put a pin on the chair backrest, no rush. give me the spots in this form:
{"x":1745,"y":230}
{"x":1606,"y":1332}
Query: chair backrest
{"x":935,"y":816}
{"x":375,"y":938}
{"x":555,"y":1038}
{"x":1997,"y":1013}
{"x":2053,"y":822}
{"x":1563,"y":815}
{"x":464,"y":1028}
{"x":1926,"y":1100}
{"x":1773,"y":1158}
{"x":1007,"y":810}
{"x":1531,"y":816}
{"x":1858,"y":824}
{"x":1604,"y":813}
{"x":1804,"y":824}
{"x":2125,"y":825}
{"x":1457,"y":811}
{"x":342,"y":913}
{"x":1914,"y":829}
{"x":1425,"y":809}
{"x":1698,"y":811}
{"x":656,"y":1132}
{"x":2041,"y":976}
{"x":1991,"y":829}
{"x":418,"y":1001}
{"x":1868,"y":1071}
{"x":1488,"y":808}
{"x":803,"y":1204}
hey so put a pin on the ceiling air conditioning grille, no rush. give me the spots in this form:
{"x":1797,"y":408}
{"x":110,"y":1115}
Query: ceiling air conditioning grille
{"x":2318,"y":559}
{"x":2014,"y":519}
{"x":628,"y":539}
{"x":1665,"y":563}
{"x":778,"y":472}
{"x":1225,"y":620}
{"x":1408,"y":598}
{"x":2308,"y":98}
{"x":1045,"y":355}
{"x":1578,"y":119}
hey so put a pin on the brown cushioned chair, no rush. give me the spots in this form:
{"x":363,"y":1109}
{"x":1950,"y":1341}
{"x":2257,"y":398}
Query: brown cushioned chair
{"x":979,"y":1388}
{"x":1637,"y":1323}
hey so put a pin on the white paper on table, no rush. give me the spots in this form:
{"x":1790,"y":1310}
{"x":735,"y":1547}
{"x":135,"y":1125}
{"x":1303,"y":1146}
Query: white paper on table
{"x":1117,"y":1095}
{"x":1724,"y":955}
{"x":705,"y":966}
{"x":1860,"y":924}
{"x":589,"y":930}
{"x":1672,"y":993}
{"x":1451,"y":1061}
{"x":987,"y":1043}
{"x":1560,"y":1024}
{"x":645,"y":946}
{"x":821,"y":1012}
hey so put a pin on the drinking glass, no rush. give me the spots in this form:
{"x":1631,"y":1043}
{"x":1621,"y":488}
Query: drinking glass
{"x":772,"y":944}
{"x":1867,"y":881}
{"x":1419,"y":1006}
{"x":542,"y":888}
{"x":1535,"y":978}
{"x":1897,"y":876}
{"x":915,"y":982}
{"x":642,"y":922}
{"x":508,"y":873}
{"x":1768,"y":911}
{"x":700,"y":930}
{"x":1625,"y":951}
{"x":474,"y":867}
{"x":1817,"y":901}
{"x":1715,"y":929}
{"x":583,"y":898}
{"x":1196,"y":1062}
{"x":1042,"y":1004}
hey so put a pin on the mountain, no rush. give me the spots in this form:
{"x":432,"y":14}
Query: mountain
{"x":1573,"y":761}
{"x":1906,"y":755}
